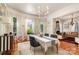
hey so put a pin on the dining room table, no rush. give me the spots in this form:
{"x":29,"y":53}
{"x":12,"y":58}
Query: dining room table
{"x":45,"y":42}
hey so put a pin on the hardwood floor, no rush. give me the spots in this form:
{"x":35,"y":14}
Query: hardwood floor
{"x":71,"y":48}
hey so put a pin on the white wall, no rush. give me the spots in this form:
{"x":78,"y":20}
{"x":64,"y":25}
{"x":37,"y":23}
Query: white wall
{"x":66,"y":10}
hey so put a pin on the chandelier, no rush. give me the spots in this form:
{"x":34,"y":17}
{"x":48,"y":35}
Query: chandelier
{"x":43,"y":11}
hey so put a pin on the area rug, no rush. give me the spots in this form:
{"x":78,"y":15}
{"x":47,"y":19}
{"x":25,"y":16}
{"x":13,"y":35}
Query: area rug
{"x":71,"y":48}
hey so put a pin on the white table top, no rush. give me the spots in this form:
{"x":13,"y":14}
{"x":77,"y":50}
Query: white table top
{"x":40,"y":38}
{"x":50,"y":38}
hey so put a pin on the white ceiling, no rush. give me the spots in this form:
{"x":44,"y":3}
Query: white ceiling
{"x":34,"y":8}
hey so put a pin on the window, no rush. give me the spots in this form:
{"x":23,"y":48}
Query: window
{"x":14,"y":25}
{"x":30,"y":26}
{"x":41,"y":25}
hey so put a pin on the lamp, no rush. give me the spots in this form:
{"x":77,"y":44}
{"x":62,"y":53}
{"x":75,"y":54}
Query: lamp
{"x":72,"y":22}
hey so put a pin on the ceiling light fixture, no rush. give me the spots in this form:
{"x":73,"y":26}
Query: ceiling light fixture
{"x":43,"y":10}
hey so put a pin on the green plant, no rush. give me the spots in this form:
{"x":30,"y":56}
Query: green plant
{"x":29,"y":31}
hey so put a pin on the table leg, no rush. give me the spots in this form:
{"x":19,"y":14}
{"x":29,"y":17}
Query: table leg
{"x":57,"y":48}
{"x":45,"y":50}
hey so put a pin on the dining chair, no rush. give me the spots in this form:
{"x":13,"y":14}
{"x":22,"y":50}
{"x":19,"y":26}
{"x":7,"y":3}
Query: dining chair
{"x":33,"y":43}
{"x":7,"y":44}
{"x":54,"y":36}
{"x":56,"y":43}
{"x":46,"y":34}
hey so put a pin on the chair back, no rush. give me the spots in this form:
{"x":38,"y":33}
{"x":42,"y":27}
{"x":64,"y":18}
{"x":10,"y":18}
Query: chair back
{"x":6,"y":44}
{"x":46,"y":34}
{"x":54,"y":36}
{"x":33,"y":42}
